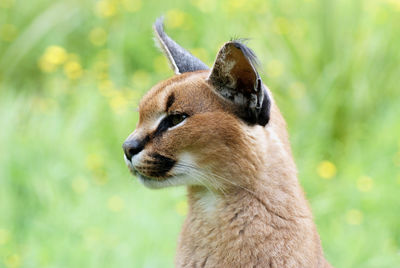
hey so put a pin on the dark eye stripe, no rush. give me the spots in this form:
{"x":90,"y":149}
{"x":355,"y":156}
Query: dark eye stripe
{"x":162,"y":127}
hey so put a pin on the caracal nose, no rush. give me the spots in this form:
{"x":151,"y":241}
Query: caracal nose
{"x":132,"y":147}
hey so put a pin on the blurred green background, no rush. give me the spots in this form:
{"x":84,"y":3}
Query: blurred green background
{"x":72,"y":73}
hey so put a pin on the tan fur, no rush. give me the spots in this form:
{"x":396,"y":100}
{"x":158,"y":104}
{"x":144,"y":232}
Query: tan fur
{"x":250,"y":210}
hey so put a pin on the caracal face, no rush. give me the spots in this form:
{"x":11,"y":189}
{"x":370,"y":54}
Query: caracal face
{"x":185,"y":133}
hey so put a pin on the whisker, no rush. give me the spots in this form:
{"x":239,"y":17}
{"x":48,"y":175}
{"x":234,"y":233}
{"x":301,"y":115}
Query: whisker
{"x":204,"y":175}
{"x":198,"y":173}
{"x":214,"y":176}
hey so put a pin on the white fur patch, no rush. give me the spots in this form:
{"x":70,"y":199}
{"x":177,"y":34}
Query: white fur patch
{"x":208,"y":202}
{"x":154,"y":184}
{"x":157,"y":121}
{"x":128,"y":163}
{"x":274,"y":137}
{"x":186,"y":169}
{"x":136,"y":159}
{"x":178,"y":125}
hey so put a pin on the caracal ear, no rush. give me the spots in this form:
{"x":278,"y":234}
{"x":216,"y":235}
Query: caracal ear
{"x":235,"y":78}
{"x":180,"y":59}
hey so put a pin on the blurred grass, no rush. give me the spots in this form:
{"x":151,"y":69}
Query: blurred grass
{"x":72,"y":73}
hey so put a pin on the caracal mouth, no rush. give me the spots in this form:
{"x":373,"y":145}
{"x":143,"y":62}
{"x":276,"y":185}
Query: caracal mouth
{"x":148,"y":181}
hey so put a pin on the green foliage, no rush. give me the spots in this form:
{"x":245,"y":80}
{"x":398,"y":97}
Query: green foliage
{"x":72,"y":73}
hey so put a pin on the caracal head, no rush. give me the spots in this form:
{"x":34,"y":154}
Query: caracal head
{"x":197,"y":128}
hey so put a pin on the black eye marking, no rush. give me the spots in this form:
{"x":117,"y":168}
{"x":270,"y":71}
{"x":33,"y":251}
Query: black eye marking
{"x":169,"y":121}
{"x":170,"y":101}
{"x":161,"y":165}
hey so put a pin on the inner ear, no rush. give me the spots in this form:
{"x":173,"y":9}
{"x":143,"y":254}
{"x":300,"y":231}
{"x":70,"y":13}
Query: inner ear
{"x":233,"y":69}
{"x":235,"y":78}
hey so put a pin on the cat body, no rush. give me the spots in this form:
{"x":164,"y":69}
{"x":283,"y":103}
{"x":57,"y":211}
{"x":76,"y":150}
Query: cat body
{"x":220,"y":133}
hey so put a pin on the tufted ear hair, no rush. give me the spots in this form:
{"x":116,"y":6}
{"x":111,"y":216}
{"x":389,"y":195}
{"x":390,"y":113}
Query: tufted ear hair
{"x":180,"y":59}
{"x":235,"y":78}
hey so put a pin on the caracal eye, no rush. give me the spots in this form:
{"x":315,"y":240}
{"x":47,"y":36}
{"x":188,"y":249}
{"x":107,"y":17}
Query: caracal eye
{"x":177,"y":118}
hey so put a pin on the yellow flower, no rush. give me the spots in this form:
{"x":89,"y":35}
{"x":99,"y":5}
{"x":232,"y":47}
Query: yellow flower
{"x":119,"y":103}
{"x":55,"y":55}
{"x":364,"y":184}
{"x":73,"y":70}
{"x":234,"y":5}
{"x":115,"y":204}
{"x":13,"y":261}
{"x":354,"y":217}
{"x":182,"y":208}
{"x":4,"y":236}
{"x":51,"y":58}
{"x":79,"y":185}
{"x":132,"y":5}
{"x":274,"y":68}
{"x":106,"y":8}
{"x":94,"y":161}
{"x":98,"y":36}
{"x":175,"y":18}
{"x":8,"y":32}
{"x":326,"y":169}
{"x":46,"y":66}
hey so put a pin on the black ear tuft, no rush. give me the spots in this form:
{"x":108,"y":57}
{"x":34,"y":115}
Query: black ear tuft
{"x":248,"y":52}
{"x":180,"y":59}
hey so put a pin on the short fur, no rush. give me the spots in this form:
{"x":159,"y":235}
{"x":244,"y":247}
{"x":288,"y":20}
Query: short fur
{"x":246,"y":207}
